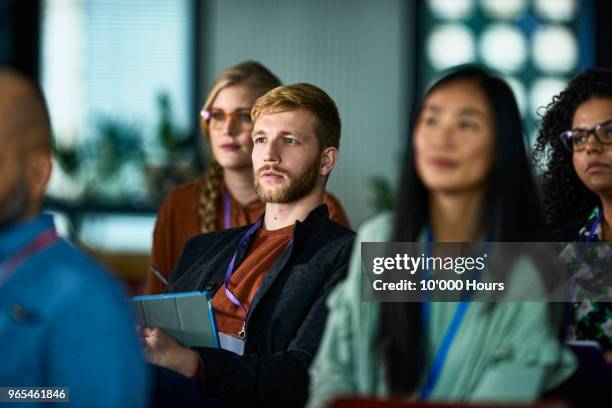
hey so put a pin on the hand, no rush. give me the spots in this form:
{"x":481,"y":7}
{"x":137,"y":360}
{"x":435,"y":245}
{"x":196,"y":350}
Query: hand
{"x":163,"y":350}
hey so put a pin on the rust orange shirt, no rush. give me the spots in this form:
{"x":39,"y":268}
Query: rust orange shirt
{"x":178,"y":220}
{"x":264,"y":250}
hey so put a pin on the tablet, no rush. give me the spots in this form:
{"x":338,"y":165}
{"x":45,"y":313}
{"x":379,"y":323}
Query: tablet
{"x":187,"y":316}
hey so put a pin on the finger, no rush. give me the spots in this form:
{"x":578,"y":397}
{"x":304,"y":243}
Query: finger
{"x":149,"y":331}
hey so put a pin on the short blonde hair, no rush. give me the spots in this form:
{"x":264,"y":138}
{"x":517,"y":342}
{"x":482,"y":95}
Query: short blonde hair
{"x":306,"y":97}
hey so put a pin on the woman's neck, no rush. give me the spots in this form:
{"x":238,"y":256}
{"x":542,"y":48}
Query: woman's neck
{"x":606,"y":220}
{"x":239,"y":182}
{"x":457,"y":217}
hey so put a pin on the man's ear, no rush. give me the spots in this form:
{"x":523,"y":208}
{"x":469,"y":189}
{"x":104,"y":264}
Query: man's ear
{"x":38,"y":172}
{"x":329,"y":157}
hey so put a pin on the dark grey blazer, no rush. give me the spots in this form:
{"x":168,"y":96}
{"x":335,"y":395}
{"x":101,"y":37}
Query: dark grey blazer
{"x":288,"y":313}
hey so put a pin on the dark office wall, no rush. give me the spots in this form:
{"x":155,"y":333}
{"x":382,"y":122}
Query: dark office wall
{"x":359,"y":51}
{"x":603,"y":33}
{"x":20,"y":35}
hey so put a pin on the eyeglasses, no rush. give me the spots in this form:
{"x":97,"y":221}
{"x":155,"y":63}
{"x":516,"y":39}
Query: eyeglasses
{"x":576,"y":140}
{"x":217,"y":118}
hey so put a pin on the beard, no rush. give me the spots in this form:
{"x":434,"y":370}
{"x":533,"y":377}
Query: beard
{"x":15,"y":206}
{"x":293,"y":189}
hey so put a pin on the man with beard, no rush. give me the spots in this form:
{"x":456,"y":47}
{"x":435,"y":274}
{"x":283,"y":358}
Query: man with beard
{"x":63,"y":321}
{"x":270,"y":280}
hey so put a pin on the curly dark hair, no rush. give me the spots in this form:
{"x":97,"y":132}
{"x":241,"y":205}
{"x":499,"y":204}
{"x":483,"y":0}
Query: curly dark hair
{"x":564,"y":196}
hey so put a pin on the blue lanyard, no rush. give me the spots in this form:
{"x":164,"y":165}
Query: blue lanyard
{"x":451,"y":331}
{"x":44,"y":240}
{"x":591,"y":236}
{"x":438,"y":363}
{"x":425,"y":304}
{"x":227,"y":210}
{"x":230,"y":270}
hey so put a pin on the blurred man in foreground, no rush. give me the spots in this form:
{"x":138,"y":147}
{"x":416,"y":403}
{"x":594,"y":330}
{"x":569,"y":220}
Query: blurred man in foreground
{"x":63,"y":320}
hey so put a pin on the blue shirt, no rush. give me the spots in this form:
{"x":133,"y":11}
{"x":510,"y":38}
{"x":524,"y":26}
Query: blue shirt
{"x":65,"y":322}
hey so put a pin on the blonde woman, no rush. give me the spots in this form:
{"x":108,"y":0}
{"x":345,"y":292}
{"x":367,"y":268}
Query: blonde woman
{"x":224,"y":197}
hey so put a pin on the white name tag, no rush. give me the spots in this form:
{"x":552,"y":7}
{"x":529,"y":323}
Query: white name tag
{"x":231,"y":343}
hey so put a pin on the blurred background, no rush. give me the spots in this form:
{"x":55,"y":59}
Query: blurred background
{"x":125,"y":81}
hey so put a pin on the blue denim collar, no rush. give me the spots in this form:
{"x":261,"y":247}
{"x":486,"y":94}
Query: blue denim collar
{"x":15,"y":237}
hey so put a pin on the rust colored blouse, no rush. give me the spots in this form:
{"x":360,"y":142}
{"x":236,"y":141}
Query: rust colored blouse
{"x":178,"y":220}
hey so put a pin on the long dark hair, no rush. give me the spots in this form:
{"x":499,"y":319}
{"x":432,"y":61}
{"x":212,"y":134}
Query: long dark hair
{"x":512,"y":213}
{"x":565,"y":197}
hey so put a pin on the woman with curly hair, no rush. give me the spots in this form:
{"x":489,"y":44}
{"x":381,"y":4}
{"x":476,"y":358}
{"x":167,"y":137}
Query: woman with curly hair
{"x":224,"y":197}
{"x":574,"y":150}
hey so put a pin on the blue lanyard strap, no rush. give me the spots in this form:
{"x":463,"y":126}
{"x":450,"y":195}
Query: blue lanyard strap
{"x":227,"y":210}
{"x":230,"y":271}
{"x":449,"y":336}
{"x":595,"y":223}
{"x":427,"y":275}
{"x":230,"y":268}
{"x":438,"y":363}
{"x":44,"y":240}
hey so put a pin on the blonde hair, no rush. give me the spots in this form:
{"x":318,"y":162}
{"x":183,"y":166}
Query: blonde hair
{"x":306,"y":97}
{"x":248,"y":73}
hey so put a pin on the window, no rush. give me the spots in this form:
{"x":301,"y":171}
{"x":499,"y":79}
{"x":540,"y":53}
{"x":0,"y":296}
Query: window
{"x":118,"y":76}
{"x":534,"y":44}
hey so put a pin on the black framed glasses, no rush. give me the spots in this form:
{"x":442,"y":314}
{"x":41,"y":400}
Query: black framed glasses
{"x":576,"y":140}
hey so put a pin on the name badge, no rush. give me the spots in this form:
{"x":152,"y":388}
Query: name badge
{"x":231,"y":343}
